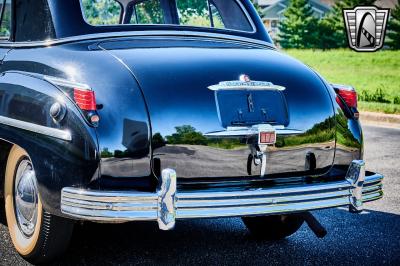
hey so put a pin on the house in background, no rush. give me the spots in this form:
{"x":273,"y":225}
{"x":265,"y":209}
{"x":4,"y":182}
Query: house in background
{"x":272,"y":11}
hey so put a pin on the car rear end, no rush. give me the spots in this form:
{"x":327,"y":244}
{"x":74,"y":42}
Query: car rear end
{"x":197,"y":115}
{"x":207,"y":120}
{"x":236,"y":130}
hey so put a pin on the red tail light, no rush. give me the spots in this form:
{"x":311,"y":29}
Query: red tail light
{"x":85,"y":99}
{"x":350,"y":97}
{"x":348,"y":94}
{"x":82,"y":95}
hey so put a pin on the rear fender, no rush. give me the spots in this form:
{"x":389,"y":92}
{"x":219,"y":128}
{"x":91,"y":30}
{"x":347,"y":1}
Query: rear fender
{"x":349,"y":134}
{"x":63,"y":153}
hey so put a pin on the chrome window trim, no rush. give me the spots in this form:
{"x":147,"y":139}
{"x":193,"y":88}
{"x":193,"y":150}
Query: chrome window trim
{"x":47,"y":131}
{"x":251,"y":131}
{"x":241,"y":6}
{"x":150,"y":33}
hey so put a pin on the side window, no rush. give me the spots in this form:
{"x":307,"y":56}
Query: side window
{"x":194,"y":13}
{"x":101,"y":12}
{"x":5,"y":26}
{"x":198,"y":14}
{"x":147,"y":12}
{"x":216,"y":17}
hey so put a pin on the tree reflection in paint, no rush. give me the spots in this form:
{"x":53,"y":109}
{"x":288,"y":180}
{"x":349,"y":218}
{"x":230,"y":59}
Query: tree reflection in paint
{"x":186,"y":134}
{"x":320,"y":133}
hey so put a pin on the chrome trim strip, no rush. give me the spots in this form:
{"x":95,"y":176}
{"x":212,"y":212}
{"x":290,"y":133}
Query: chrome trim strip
{"x":123,"y":206}
{"x":373,"y":179}
{"x":67,"y":83}
{"x":243,"y":201}
{"x":109,"y":206}
{"x":343,"y":87}
{"x":189,"y":213}
{"x":234,"y":132}
{"x":317,"y":188}
{"x":143,"y":33}
{"x":47,"y":131}
{"x":372,"y":189}
{"x":109,"y":196}
{"x":247,"y":86}
{"x":372,"y":196}
{"x":110,"y":215}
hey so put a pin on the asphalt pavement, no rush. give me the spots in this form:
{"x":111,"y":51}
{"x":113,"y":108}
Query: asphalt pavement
{"x":370,"y":238}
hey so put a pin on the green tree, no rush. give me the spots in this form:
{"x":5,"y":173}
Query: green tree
{"x":299,"y":27}
{"x":187,"y":135}
{"x":258,"y":7}
{"x":393,"y":29}
{"x":193,"y":7}
{"x":332,"y":31}
{"x":105,"y":153}
{"x":101,"y":12}
{"x":148,"y":12}
{"x":158,"y":141}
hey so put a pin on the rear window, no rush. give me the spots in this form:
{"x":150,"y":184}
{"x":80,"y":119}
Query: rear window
{"x":219,"y":14}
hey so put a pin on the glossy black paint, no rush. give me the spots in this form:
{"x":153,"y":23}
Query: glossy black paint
{"x":145,"y":87}
{"x":28,"y":98}
{"x":175,"y":101}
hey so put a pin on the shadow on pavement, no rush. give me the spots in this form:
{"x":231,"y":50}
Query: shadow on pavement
{"x":369,"y":238}
{"x":3,"y":220}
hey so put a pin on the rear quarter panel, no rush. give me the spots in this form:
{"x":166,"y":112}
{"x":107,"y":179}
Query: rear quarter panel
{"x":57,"y":162}
{"x":25,"y":96}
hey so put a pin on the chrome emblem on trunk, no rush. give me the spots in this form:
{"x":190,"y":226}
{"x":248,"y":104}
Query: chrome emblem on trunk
{"x":245,"y":83}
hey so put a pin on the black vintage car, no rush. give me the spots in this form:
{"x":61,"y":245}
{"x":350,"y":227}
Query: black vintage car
{"x":156,"y":110}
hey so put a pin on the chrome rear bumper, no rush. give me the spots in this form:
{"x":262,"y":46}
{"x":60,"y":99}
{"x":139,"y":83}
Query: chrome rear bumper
{"x":167,"y":204}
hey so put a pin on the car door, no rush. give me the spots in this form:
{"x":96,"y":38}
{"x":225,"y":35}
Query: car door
{"x":5,"y":29}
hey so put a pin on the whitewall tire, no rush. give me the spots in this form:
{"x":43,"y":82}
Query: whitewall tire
{"x":37,"y":235}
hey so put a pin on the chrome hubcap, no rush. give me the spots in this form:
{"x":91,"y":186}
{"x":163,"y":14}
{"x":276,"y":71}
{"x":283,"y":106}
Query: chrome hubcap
{"x":26,"y":197}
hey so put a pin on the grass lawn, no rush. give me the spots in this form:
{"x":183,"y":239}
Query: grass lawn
{"x":367,"y":72}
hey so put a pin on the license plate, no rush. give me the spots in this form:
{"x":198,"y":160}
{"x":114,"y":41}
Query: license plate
{"x":247,"y":107}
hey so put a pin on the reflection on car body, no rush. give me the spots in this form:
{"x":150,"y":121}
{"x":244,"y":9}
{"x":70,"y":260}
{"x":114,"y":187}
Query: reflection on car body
{"x":160,"y":110}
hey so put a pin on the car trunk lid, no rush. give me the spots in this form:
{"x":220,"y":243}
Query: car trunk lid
{"x":195,"y":127}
